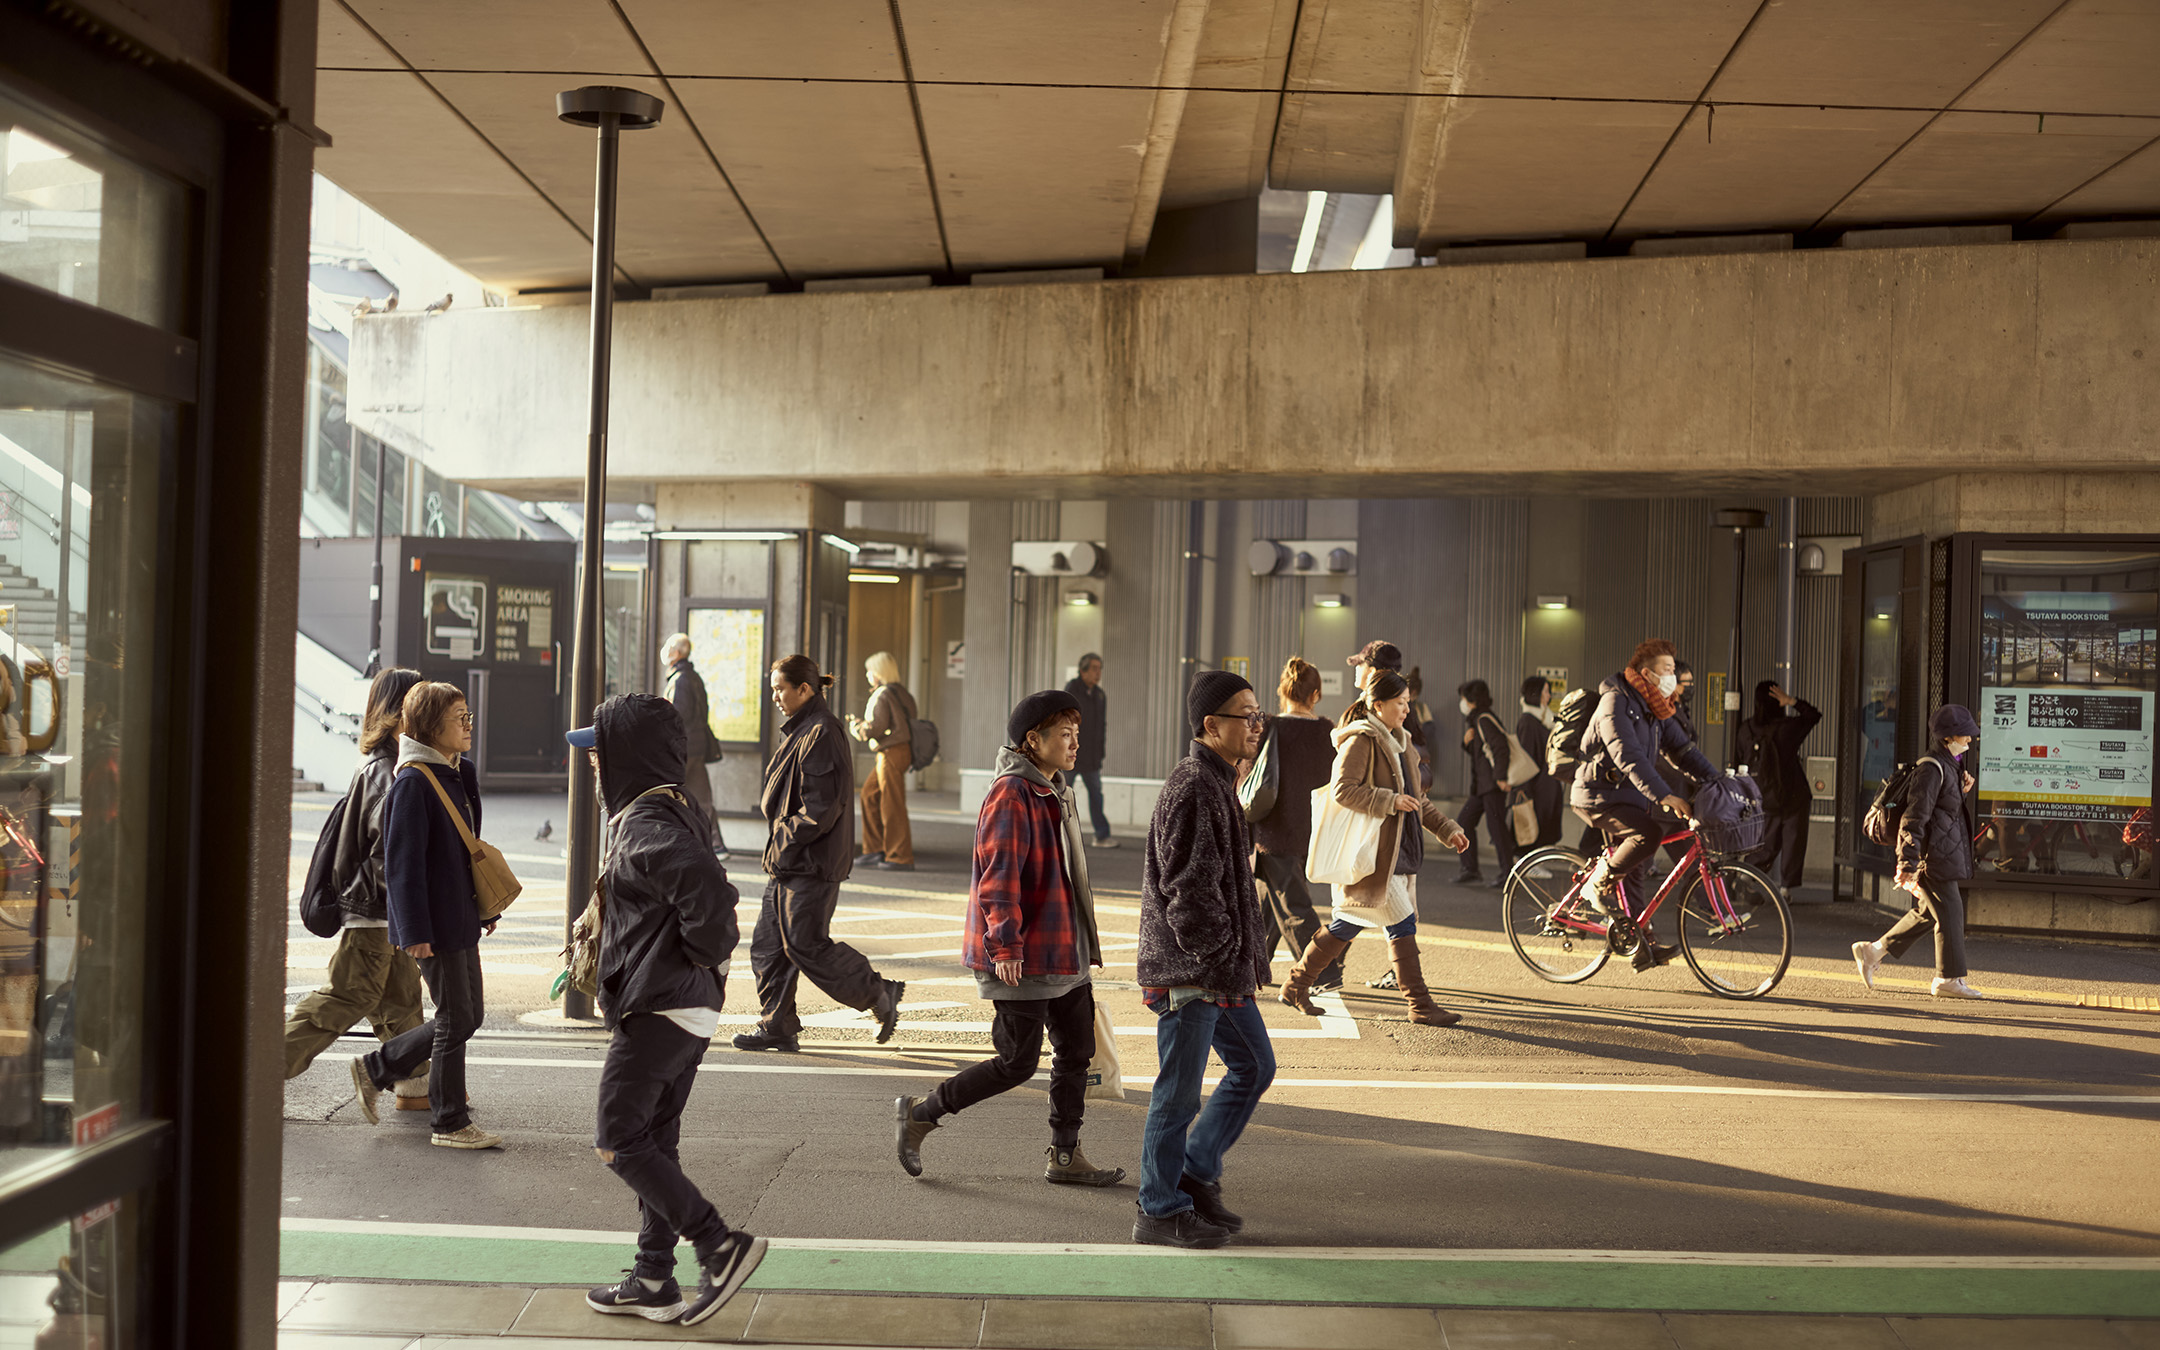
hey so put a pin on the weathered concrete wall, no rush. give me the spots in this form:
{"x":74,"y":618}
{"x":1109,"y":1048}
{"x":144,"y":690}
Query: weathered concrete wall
{"x":2014,"y":502}
{"x":1828,"y":370}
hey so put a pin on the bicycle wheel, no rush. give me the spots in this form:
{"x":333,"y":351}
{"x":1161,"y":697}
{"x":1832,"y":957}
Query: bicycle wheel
{"x":1558,"y":936}
{"x":1740,"y":948}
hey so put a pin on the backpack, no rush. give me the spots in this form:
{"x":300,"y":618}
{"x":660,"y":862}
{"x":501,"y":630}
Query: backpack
{"x":320,"y":910}
{"x":1564,"y":747}
{"x":1880,"y":824}
{"x":922,"y":744}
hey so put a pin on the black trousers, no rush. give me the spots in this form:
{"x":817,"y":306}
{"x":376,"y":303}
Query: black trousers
{"x":453,"y":981}
{"x":793,"y":938}
{"x":1017,"y":1033}
{"x":1548,"y":796}
{"x":651,"y":1066}
{"x":1633,"y":834}
{"x":1286,"y":905}
{"x":1941,"y":912}
{"x":1490,"y":807}
{"x":1784,"y":847}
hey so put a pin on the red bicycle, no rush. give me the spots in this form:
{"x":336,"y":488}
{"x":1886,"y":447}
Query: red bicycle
{"x":1734,"y":928}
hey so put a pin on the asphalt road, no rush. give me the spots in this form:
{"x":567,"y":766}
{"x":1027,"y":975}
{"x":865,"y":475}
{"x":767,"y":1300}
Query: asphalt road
{"x":1633,"y":1112}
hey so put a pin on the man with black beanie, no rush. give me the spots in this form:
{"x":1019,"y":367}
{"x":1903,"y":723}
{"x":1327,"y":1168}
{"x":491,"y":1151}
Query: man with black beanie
{"x":1203,"y":952}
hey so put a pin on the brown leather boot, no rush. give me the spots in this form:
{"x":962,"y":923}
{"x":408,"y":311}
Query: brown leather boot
{"x":1410,"y":975}
{"x":1319,"y":954}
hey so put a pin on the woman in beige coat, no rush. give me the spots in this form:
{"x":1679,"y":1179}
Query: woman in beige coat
{"x":1376,"y":774}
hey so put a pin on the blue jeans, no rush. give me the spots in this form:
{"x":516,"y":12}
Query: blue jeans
{"x":1182,"y":1041}
{"x":1346,"y":930}
{"x":1093,"y":779}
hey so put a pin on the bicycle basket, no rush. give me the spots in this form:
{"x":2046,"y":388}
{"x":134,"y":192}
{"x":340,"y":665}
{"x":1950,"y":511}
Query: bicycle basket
{"x":1731,"y":838}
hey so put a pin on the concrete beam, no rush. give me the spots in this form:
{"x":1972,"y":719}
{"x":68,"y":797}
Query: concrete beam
{"x":1818,"y":371}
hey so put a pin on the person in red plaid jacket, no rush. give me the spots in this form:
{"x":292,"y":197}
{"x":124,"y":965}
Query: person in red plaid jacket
{"x":1030,"y":940}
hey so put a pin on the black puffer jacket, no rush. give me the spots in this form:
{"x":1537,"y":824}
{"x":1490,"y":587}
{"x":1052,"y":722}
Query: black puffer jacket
{"x":670,"y":923}
{"x":809,"y":797}
{"x":1933,"y":833}
{"x":359,"y":859}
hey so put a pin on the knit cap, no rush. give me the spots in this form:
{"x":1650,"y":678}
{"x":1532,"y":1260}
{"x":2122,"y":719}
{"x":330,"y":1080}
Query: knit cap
{"x":1209,"y":691}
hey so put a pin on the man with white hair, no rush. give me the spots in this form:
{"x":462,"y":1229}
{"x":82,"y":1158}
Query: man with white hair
{"x":685,"y":688}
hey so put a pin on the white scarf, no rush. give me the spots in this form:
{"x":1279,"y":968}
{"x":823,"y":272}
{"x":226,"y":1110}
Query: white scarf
{"x":1543,"y":714}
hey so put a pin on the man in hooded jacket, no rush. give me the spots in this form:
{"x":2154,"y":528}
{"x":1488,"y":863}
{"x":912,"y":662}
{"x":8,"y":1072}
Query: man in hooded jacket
{"x":667,"y":930}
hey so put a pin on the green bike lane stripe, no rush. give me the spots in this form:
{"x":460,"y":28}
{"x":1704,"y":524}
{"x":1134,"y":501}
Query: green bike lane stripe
{"x":1668,"y":1282}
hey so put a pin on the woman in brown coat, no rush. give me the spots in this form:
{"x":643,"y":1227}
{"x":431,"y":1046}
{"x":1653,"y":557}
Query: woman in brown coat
{"x":1376,"y":774}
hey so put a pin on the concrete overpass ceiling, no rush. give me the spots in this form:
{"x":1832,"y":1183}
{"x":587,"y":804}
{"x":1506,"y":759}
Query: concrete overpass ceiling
{"x":811,"y":138}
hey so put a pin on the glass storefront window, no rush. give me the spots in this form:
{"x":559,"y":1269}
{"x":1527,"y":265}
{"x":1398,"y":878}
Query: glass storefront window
{"x":79,"y":569}
{"x":72,"y":1287}
{"x":1877,"y":715}
{"x":79,"y":222}
{"x":2067,"y":670}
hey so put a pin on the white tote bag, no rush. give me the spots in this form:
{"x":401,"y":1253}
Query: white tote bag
{"x":1104,"y":1082}
{"x":1345,"y":843}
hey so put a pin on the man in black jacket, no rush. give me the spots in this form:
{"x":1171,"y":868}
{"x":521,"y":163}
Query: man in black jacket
{"x":685,"y":688}
{"x":666,"y":936}
{"x":1770,"y":744}
{"x":1094,"y":737}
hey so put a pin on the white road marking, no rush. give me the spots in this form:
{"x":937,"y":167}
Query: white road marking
{"x":1435,"y":1254}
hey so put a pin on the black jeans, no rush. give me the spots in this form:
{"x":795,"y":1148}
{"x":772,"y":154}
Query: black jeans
{"x":793,"y":938}
{"x":1017,"y":1032}
{"x":1784,"y":847}
{"x":1942,"y":913}
{"x":453,"y":981}
{"x":1286,"y":902}
{"x":1490,"y":807}
{"x":651,"y":1066}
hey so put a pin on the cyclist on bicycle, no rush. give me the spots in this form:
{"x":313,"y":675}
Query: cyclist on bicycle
{"x":1619,"y":786}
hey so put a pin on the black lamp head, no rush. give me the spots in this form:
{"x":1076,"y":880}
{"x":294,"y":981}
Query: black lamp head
{"x":634,"y":109}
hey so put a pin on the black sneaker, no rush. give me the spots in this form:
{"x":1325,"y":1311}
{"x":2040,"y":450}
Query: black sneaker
{"x":888,"y":1017}
{"x":722,"y":1273}
{"x":888,"y":865}
{"x":1207,"y":1200}
{"x":1467,"y":878}
{"x":869,"y":860}
{"x":766,"y":1039}
{"x":1183,"y":1229}
{"x":664,"y":1304}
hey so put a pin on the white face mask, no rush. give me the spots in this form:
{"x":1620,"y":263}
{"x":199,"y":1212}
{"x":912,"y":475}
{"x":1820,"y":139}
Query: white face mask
{"x":1466,"y":705}
{"x":1959,"y":746}
{"x":1667,"y":683}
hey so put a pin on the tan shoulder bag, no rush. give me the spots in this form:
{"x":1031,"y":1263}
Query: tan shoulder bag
{"x":494,"y":884}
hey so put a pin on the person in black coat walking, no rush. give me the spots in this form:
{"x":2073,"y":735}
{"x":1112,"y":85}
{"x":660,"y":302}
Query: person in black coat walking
{"x":1305,"y":760}
{"x":434,"y":912}
{"x":1485,"y":745}
{"x":1770,"y":746}
{"x":1086,"y":686}
{"x":1934,"y":854}
{"x":685,"y":689}
{"x":1534,"y":729}
{"x":809,"y":801}
{"x":667,"y":931}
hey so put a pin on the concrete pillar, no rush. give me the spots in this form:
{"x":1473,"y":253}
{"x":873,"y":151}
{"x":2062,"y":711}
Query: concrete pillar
{"x":987,"y":695}
{"x":1412,"y":590}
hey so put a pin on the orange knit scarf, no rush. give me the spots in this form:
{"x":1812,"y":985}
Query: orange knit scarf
{"x":1660,"y":706}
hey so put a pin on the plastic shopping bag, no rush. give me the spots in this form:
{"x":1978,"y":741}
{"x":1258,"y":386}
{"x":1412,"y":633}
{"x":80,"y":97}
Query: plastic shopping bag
{"x":1104,"y":1082}
{"x":1344,"y":842}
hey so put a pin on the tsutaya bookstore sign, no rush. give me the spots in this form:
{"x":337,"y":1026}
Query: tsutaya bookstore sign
{"x":2066,"y":754}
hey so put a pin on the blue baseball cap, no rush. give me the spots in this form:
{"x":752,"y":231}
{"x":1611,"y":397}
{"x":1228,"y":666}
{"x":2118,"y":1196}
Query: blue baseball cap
{"x":584,"y":738}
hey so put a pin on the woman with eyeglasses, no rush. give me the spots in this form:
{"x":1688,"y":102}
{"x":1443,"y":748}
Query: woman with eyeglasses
{"x":427,"y":873}
{"x":1376,"y":774}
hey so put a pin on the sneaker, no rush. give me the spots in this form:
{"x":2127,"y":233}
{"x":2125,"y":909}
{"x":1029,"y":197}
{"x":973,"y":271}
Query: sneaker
{"x":889,"y":1017}
{"x":722,"y":1273}
{"x":365,"y":1091}
{"x":664,"y":1304}
{"x":888,"y":865}
{"x":472,"y":1136}
{"x":1956,"y":988}
{"x":870,"y":860}
{"x":1207,"y":1201}
{"x":1497,"y":883}
{"x":1467,"y":877}
{"x":1070,"y":1167}
{"x":1869,"y":958}
{"x":1183,"y":1229}
{"x":763,"y":1039}
{"x":1105,"y":842}
{"x":1328,"y":981}
{"x":1385,"y":980}
{"x":908,"y":1135}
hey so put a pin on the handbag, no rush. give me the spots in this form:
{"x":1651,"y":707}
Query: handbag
{"x":1345,"y":843}
{"x":1522,"y":815}
{"x":1104,"y":1081}
{"x":494,"y":884}
{"x":1521,"y":767}
{"x":1257,"y":791}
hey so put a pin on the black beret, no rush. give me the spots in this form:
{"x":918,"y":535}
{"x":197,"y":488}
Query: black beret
{"x":1032,"y":711}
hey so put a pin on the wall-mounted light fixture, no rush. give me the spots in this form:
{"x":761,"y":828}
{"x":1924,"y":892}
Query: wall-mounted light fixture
{"x":726,"y":536}
{"x":1552,"y":602}
{"x":847,"y":546}
{"x":1331,"y":600}
{"x":874,"y":578}
{"x":1301,"y":557}
{"x":1080,"y":599}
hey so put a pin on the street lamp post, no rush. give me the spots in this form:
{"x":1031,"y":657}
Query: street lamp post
{"x":1739,"y":520}
{"x":609,"y":110}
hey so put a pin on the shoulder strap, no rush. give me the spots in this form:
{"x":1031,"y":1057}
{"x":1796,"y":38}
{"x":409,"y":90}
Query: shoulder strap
{"x":457,"y":817}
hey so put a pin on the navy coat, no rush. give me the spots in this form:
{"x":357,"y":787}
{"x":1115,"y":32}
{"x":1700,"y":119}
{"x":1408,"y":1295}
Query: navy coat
{"x":1621,"y":746}
{"x":427,"y":870}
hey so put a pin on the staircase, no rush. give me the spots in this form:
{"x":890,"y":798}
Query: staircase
{"x":36,"y":613}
